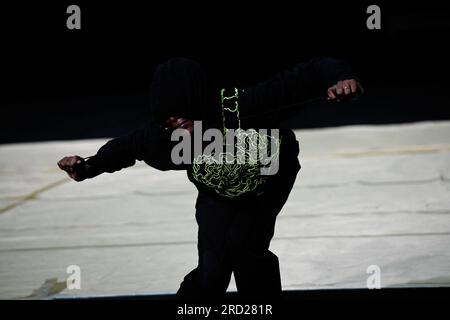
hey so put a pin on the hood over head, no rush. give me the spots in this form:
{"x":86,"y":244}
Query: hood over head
{"x":179,"y":89}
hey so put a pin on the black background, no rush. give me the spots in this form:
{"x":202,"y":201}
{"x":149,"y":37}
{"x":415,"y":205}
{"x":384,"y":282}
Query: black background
{"x":70,"y":84}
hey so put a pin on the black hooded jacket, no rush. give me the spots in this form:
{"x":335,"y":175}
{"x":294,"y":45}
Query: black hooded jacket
{"x":180,"y":88}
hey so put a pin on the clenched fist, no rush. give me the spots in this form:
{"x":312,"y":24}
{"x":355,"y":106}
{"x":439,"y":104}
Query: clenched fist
{"x":345,"y":89}
{"x":74,"y":166}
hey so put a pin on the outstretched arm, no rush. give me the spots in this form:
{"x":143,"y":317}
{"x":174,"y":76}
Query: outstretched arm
{"x":149,"y":143}
{"x":318,"y":77}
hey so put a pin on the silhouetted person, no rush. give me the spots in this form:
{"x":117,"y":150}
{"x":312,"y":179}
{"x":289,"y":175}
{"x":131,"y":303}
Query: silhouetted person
{"x":235,"y":210}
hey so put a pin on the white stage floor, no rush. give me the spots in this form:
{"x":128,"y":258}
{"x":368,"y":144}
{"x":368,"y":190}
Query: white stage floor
{"x":366,"y":195}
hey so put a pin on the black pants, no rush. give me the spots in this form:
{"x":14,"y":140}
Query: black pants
{"x":234,"y":237}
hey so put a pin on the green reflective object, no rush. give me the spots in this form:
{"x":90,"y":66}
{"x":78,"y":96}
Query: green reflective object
{"x":223,"y":172}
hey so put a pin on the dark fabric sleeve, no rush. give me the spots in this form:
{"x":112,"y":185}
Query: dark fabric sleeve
{"x":303,"y":82}
{"x":150,"y":144}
